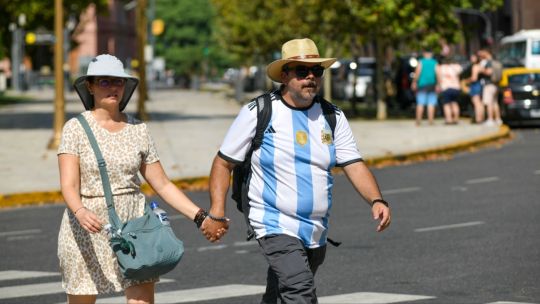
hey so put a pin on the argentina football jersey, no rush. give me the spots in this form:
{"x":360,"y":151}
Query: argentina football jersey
{"x":291,"y":182}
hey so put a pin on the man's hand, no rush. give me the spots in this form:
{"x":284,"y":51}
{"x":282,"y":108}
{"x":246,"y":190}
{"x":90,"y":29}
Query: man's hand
{"x":214,"y":230}
{"x":381,"y":212}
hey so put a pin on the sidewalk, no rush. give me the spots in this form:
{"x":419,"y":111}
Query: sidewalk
{"x":188,"y":128}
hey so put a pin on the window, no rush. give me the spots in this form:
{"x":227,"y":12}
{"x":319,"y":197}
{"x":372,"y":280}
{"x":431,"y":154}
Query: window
{"x":535,"y":48}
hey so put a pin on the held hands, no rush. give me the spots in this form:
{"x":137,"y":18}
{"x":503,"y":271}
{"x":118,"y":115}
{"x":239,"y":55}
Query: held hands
{"x":214,"y":228}
{"x":382,"y":212}
{"x":88,"y":220}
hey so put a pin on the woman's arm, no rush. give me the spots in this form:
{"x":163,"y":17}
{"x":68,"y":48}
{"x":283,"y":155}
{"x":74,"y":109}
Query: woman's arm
{"x":70,"y":185}
{"x":155,"y":175}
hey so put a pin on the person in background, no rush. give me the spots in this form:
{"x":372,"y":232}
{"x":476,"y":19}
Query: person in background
{"x":87,"y":262}
{"x":424,"y":84}
{"x":448,"y":81}
{"x":490,"y":89}
{"x":475,"y":89}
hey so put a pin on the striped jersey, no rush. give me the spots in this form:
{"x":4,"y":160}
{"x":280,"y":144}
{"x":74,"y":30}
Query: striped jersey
{"x":290,"y":190}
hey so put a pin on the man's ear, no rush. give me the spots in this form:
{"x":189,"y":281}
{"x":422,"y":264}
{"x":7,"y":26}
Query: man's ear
{"x":89,"y":87}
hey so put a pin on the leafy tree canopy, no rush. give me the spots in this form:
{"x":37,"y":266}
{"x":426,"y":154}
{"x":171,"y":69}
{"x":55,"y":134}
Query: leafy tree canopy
{"x":38,"y":13}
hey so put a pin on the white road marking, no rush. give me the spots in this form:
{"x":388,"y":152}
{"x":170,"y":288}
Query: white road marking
{"x":402,"y":190}
{"x":21,"y":237}
{"x":506,"y":302}
{"x":537,"y":172}
{"x":20,"y":232}
{"x":21,"y":274}
{"x":452,"y":226}
{"x":459,"y":188}
{"x":482,"y":180}
{"x":371,"y":298}
{"x":31,"y":290}
{"x":216,"y":247}
{"x":245,"y":243}
{"x":198,"y":294}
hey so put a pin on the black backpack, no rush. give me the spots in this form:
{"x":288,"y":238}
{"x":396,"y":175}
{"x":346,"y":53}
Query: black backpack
{"x":242,"y":172}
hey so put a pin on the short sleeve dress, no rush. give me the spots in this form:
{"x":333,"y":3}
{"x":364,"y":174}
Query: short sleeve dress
{"x":87,"y":263}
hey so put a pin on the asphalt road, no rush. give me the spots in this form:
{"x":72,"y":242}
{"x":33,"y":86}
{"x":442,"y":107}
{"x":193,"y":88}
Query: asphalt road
{"x":465,"y":230}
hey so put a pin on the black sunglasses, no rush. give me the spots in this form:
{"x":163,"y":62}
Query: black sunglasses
{"x":302,"y":71}
{"x":108,"y":82}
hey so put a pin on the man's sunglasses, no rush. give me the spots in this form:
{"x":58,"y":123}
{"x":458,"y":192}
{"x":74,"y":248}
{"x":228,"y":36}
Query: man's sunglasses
{"x":109,"y":82}
{"x":302,"y":71}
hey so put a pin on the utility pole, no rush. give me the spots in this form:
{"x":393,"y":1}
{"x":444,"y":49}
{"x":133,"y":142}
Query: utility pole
{"x":142,"y":28}
{"x":59,"y":103}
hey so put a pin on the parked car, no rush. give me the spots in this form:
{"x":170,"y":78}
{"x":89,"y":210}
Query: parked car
{"x":352,"y":79}
{"x":520,"y":96}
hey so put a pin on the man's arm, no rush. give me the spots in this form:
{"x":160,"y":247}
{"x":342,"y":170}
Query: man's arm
{"x":365,"y":184}
{"x":220,"y":177}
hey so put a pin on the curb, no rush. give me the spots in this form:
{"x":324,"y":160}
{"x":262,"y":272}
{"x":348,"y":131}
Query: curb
{"x":201,"y":183}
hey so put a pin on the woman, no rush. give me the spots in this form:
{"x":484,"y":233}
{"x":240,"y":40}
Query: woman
{"x":475,"y":89}
{"x":87,"y":263}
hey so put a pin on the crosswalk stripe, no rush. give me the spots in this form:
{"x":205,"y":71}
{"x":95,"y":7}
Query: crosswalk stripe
{"x":506,"y":302}
{"x":20,"y":274}
{"x":31,"y":290}
{"x":371,"y":298}
{"x":198,"y":294}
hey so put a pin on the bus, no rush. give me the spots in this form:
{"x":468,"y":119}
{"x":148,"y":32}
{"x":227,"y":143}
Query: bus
{"x":521,"y":49}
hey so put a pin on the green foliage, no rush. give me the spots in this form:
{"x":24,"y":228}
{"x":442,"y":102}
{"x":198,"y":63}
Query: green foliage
{"x":39,"y":14}
{"x":188,"y":44}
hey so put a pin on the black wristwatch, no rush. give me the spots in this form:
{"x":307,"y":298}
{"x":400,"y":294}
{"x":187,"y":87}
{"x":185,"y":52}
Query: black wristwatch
{"x":379,"y":200}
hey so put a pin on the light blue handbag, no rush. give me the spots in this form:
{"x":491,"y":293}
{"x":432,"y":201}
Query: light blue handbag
{"x":144,"y":247}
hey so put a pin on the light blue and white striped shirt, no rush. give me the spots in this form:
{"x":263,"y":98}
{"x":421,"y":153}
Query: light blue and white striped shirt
{"x":290,"y":190}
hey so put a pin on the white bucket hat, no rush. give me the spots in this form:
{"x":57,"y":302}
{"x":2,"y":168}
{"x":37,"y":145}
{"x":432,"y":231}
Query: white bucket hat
{"x":297,"y":50}
{"x":105,"y":65}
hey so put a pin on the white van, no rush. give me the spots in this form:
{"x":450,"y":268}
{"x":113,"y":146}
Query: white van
{"x":521,"y":49}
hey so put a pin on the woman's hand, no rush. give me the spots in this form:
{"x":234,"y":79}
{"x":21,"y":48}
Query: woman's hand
{"x":88,"y":220}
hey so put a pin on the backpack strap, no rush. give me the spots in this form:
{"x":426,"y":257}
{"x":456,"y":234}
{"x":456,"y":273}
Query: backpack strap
{"x":329,"y":112}
{"x":264,"y":114}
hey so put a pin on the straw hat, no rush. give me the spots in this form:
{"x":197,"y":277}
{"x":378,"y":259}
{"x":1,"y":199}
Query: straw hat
{"x":297,"y":50}
{"x":105,"y":65}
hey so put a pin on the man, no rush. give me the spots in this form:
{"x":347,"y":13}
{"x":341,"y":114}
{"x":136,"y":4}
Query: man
{"x":291,"y":183}
{"x":424,"y":84}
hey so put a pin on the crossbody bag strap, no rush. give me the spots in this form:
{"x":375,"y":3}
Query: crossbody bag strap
{"x":113,"y":217}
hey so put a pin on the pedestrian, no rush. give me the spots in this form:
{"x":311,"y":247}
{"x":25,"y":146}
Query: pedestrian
{"x":448,"y":81}
{"x":290,"y":190}
{"x":475,"y":89}
{"x":87,"y":262}
{"x":490,"y":89}
{"x":424,"y":83}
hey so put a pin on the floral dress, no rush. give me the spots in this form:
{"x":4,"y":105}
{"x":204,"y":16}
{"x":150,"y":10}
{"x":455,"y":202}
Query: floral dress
{"x":87,"y":263}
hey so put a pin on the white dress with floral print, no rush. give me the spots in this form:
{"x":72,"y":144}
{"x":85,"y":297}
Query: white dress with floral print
{"x":87,"y":263}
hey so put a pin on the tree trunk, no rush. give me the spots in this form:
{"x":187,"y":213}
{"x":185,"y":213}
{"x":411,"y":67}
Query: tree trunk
{"x":328,"y":77}
{"x":380,"y":48}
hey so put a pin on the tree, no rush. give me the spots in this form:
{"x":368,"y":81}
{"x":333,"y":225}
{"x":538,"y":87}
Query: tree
{"x":188,"y":43}
{"x":257,"y":28}
{"x":38,"y":13}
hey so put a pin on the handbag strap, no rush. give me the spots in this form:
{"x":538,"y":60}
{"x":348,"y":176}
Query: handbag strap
{"x":113,"y":217}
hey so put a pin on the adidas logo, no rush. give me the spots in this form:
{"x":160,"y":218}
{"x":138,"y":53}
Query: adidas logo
{"x":270,"y":130}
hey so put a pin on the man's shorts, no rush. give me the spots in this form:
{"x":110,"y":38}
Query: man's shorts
{"x":449,"y":95}
{"x":424,"y":98}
